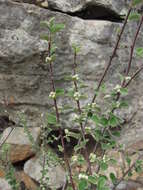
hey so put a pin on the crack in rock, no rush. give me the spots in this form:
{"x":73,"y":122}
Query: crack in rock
{"x":89,"y":11}
{"x":94,"y":12}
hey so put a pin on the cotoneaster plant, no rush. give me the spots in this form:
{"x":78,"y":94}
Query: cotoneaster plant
{"x":86,"y":170}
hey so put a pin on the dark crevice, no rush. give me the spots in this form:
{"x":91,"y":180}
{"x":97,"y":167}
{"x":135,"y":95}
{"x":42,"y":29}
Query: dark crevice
{"x":93,"y":12}
{"x":69,"y":144}
{"x":89,"y":11}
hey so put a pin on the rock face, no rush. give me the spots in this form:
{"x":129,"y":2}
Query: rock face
{"x":4,"y":184}
{"x":29,"y":183}
{"x":24,"y":79}
{"x":20,"y":147}
{"x":55,"y":174}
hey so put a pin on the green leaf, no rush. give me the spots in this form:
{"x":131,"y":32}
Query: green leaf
{"x":134,"y":16}
{"x":44,"y":24}
{"x":130,"y":174}
{"x":103,"y":166}
{"x":53,"y":48}
{"x":101,"y":183}
{"x":116,"y":133}
{"x":103,"y":88}
{"x":51,"y":21}
{"x":56,"y":28}
{"x":82,"y":184}
{"x":80,"y":146}
{"x":51,"y":119}
{"x":113,"y":178}
{"x":60,"y":148}
{"x":123,"y":104}
{"x":92,"y":179}
{"x":128,"y":160}
{"x":124,"y":91}
{"x":76,"y":48}
{"x":103,"y":121}
{"x":98,"y":135}
{"x":74,"y":135}
{"x":44,"y":37}
{"x":139,"y":51}
{"x":113,"y":121}
{"x":105,"y":146}
{"x":136,"y":2}
{"x":138,"y":166}
{"x":60,"y":92}
{"x":96,"y":119}
{"x":70,"y":93}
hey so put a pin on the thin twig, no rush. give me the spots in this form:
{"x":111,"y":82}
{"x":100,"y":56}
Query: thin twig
{"x":6,"y":137}
{"x":58,"y":116}
{"x":127,"y":72}
{"x":133,"y":46}
{"x":80,"y":112}
{"x":110,"y":60}
{"x":126,"y":173}
{"x":113,"y":54}
{"x":133,"y":76}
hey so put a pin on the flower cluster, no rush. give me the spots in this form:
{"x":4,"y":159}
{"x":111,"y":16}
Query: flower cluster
{"x":117,"y":88}
{"x":75,"y":77}
{"x":74,"y":158}
{"x":66,"y":131}
{"x":52,"y":95}
{"x":48,"y":59}
{"x":92,"y":157}
{"x":76,"y":96}
{"x":83,"y":176}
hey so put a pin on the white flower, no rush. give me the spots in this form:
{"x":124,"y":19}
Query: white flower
{"x":42,"y":114}
{"x":75,"y":117}
{"x":93,"y":105}
{"x":75,"y":77}
{"x":66,"y":131}
{"x":48,"y":59}
{"x":83,"y":176}
{"x":107,"y":96}
{"x":76,"y":95}
{"x":92,"y":157}
{"x":74,"y":158}
{"x":87,"y":128}
{"x":89,"y":104}
{"x":127,"y":78}
{"x":117,"y":87}
{"x":52,"y":95}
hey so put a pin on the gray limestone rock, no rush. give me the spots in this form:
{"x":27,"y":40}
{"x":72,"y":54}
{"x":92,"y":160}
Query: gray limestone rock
{"x":55,"y":173}
{"x":24,"y":78}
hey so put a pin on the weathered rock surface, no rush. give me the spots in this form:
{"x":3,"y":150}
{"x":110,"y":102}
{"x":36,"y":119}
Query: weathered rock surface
{"x":28,"y":182}
{"x":24,"y":80}
{"x":20,"y":147}
{"x":130,"y":185}
{"x":4,"y":185}
{"x":122,"y":165}
{"x":70,"y":6}
{"x":55,"y":173}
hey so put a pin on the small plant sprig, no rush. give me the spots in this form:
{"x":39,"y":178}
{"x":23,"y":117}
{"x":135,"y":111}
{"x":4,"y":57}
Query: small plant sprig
{"x":55,"y":119}
{"x":77,"y":99}
{"x":8,"y":168}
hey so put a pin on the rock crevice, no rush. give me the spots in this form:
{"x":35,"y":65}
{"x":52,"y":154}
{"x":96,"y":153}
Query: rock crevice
{"x":87,"y":11}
